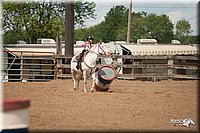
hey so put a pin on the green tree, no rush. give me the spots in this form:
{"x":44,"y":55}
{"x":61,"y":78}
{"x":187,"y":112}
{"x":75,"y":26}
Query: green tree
{"x":115,"y":19}
{"x":121,"y":34}
{"x":183,"y":31}
{"x":11,"y":37}
{"x":194,"y":39}
{"x":83,"y":11}
{"x":159,"y":27}
{"x":110,"y":29}
{"x":81,"y":34}
{"x":138,"y":26}
{"x":42,"y":19}
{"x":143,"y":25}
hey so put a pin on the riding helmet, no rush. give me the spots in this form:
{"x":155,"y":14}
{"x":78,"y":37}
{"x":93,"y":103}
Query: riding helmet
{"x":90,"y":37}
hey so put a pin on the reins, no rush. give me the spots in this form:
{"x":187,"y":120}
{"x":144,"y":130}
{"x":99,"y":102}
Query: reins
{"x":91,"y":51}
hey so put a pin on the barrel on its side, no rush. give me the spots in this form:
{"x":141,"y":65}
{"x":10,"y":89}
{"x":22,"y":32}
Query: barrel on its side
{"x":15,"y":115}
{"x":105,"y":76}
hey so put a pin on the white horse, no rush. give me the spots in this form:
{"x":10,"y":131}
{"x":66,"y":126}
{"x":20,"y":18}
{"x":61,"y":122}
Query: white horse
{"x":88,"y":66}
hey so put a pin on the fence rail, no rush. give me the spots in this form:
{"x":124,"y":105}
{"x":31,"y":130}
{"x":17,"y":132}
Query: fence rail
{"x":148,"y":67}
{"x":20,"y":66}
{"x":25,"y":66}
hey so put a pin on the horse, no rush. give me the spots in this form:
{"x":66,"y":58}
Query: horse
{"x":88,"y":66}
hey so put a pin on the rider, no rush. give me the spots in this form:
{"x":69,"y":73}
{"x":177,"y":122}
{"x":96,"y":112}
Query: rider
{"x":87,"y":45}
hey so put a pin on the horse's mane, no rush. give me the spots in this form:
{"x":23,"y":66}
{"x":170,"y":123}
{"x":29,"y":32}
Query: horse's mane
{"x":92,"y":49}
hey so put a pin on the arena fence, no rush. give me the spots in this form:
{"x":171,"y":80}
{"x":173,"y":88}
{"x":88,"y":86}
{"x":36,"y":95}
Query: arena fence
{"x":44,"y":66}
{"x":143,"y":67}
{"x":156,"y":67}
{"x":27,"y":66}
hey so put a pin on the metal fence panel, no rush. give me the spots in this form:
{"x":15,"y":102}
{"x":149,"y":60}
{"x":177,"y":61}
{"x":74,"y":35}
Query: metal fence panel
{"x":22,"y":68}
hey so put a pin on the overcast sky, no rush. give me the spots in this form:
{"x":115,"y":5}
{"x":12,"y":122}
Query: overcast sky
{"x":175,"y":9}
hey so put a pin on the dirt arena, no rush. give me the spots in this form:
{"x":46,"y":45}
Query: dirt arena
{"x":128,"y":105}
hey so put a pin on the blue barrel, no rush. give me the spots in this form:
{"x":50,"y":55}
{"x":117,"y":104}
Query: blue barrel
{"x":15,"y":115}
{"x":105,"y":76}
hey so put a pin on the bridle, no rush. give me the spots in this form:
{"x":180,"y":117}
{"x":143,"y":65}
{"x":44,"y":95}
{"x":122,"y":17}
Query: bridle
{"x":99,"y":47}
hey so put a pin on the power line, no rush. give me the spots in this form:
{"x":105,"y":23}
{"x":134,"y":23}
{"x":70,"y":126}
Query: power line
{"x":154,"y":6}
{"x":163,"y":7}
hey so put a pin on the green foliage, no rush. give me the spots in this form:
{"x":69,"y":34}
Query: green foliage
{"x":83,"y":10}
{"x":115,"y":19}
{"x":36,"y":19}
{"x":108,"y":30}
{"x":160,"y":28}
{"x":143,"y":25}
{"x":194,"y":39}
{"x":41,"y":19}
{"x":138,"y":27}
{"x":151,"y":26}
{"x":30,"y":21}
{"x":183,"y":28}
{"x":11,"y":37}
{"x":183,"y":31}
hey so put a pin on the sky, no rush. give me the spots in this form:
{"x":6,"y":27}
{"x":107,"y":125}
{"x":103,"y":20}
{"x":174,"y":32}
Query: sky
{"x":175,"y":9}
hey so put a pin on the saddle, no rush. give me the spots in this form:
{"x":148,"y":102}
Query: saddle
{"x":80,"y":58}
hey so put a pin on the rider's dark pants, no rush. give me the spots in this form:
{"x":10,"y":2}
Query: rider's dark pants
{"x":80,"y":58}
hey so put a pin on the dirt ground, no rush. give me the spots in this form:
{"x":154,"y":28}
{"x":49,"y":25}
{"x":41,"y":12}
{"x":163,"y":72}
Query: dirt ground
{"x":128,"y":105}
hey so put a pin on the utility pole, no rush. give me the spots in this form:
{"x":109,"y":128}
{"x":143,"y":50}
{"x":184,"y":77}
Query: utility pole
{"x":69,"y":28}
{"x":129,"y":22}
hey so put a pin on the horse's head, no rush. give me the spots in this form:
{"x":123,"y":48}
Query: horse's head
{"x":101,"y":49}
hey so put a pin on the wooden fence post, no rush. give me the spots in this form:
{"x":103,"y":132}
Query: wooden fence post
{"x":170,"y":63}
{"x":114,"y":61}
{"x":132,"y":70}
{"x":59,"y":54}
{"x":21,"y":67}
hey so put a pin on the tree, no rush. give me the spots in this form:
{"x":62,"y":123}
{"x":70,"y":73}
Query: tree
{"x":108,"y":30}
{"x":115,"y":19}
{"x":151,"y":26}
{"x":11,"y":37}
{"x":40,"y":19}
{"x":183,"y":31}
{"x":83,"y":11}
{"x":160,"y":28}
{"x":138,"y":26}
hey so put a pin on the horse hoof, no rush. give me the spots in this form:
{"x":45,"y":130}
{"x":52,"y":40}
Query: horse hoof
{"x":92,"y":90}
{"x":76,"y":90}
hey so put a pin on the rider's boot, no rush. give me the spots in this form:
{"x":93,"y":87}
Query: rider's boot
{"x":78,"y":64}
{"x":79,"y":61}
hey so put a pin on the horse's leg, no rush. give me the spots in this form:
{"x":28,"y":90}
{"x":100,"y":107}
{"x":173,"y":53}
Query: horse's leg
{"x":93,"y":82}
{"x":77,"y":85}
{"x":85,"y":81}
{"x":73,"y":77}
{"x":75,"y":89}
